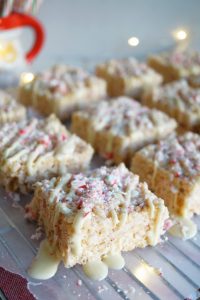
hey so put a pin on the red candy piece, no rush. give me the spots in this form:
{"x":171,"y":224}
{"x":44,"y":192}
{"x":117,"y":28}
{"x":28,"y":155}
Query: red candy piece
{"x":79,"y":204}
{"x":177,"y":174}
{"x":63,"y":137}
{"x":86,"y":213}
{"x":84,"y":186}
{"x":44,"y":142}
{"x":22,"y":132}
{"x":172,"y":161}
{"x":168,"y":224}
{"x":109,"y":155}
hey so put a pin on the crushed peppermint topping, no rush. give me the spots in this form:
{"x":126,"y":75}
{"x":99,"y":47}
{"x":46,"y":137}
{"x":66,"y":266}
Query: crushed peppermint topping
{"x":22,"y":131}
{"x":26,"y":144}
{"x":63,"y":136}
{"x":184,"y":59}
{"x":8,"y":103}
{"x":127,"y":67}
{"x":63,"y":80}
{"x":178,"y":94}
{"x":107,"y":188}
{"x":178,"y":154}
{"x":124,"y":116}
{"x":168,"y":224}
{"x":28,"y":134}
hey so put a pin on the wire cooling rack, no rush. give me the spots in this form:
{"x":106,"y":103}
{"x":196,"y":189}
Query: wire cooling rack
{"x":168,"y":271}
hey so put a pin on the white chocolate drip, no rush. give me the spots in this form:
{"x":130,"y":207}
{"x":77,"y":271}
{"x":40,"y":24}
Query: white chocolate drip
{"x":114,"y":261}
{"x":83,"y":198}
{"x":184,"y":229}
{"x":45,"y":265}
{"x":96,"y":270}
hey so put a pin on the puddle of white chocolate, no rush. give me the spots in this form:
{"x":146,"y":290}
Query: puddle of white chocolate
{"x":183,"y":228}
{"x":114,"y":261}
{"x":96,"y":270}
{"x":45,"y":265}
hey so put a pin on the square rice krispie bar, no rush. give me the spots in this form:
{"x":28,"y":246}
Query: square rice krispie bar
{"x":89,"y":216}
{"x":178,"y":100}
{"x":127,"y":77}
{"x":118,"y":128}
{"x":61,"y":90}
{"x":176,"y":64}
{"x":172,"y":170}
{"x":10,"y":110}
{"x":33,"y":149}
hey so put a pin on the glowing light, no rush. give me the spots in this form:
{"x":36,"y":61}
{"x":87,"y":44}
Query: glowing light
{"x":26,"y":78}
{"x":133,"y":41}
{"x":8,"y":52}
{"x":180,"y":34}
{"x":145,"y":271}
{"x":141,"y":273}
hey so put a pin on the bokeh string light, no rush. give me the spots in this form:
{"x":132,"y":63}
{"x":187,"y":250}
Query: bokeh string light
{"x":133,"y":41}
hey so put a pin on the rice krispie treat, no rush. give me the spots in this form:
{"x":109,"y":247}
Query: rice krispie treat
{"x":175,"y":65}
{"x":32,"y":150}
{"x":178,"y":100}
{"x":10,"y":110}
{"x":61,"y":90}
{"x":127,"y":77}
{"x":120,"y":127}
{"x":172,"y":170}
{"x":90,"y":217}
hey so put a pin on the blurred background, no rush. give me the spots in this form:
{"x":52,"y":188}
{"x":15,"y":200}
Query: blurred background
{"x":88,"y":31}
{"x":85,"y":32}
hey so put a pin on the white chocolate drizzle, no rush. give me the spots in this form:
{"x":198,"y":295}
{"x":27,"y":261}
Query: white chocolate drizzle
{"x":122,"y":117}
{"x":62,"y":80}
{"x":179,"y":157}
{"x":45,"y":265}
{"x":75,"y":240}
{"x":37,"y":147}
{"x":156,"y":216}
{"x":61,"y":181}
